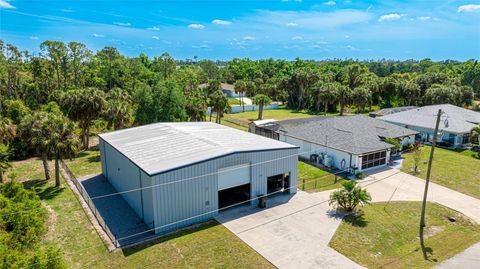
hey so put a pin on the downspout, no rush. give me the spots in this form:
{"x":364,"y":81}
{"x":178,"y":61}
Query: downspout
{"x":105,"y":159}
{"x":350,"y":166}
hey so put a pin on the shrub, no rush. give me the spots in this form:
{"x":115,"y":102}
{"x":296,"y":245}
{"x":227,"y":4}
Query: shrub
{"x":360,"y":175}
{"x":349,"y":196}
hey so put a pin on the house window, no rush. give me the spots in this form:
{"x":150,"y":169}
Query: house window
{"x":466,"y":138}
{"x":374,"y":159}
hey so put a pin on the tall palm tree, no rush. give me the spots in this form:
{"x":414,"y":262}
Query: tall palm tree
{"x":118,"y":111}
{"x":33,"y":132}
{"x":344,"y":95}
{"x":218,"y":103}
{"x":261,"y":100}
{"x":327,"y":94}
{"x":63,"y":143}
{"x":240,"y":87}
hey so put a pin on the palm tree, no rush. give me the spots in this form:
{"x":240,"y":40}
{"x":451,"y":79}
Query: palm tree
{"x":7,"y":130}
{"x":83,"y":105}
{"x":344,"y":95}
{"x":475,"y":134}
{"x":33,"y":132}
{"x":327,"y":94}
{"x":240,"y":87}
{"x":218,"y":103}
{"x":261,"y":100}
{"x":63,"y":142}
{"x":361,"y":95}
{"x":118,"y":112}
{"x":349,"y":196}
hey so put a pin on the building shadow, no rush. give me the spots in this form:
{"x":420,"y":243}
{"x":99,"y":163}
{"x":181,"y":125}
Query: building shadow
{"x":159,"y":239}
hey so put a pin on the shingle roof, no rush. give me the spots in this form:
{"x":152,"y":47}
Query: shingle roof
{"x":160,"y":147}
{"x":393,"y":110}
{"x":460,"y":120}
{"x":224,"y":86}
{"x":356,"y":134}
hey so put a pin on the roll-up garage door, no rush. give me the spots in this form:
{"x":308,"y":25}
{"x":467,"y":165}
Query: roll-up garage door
{"x":233,"y":176}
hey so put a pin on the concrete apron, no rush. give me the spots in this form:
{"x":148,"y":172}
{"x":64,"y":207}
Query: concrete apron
{"x":292,"y":232}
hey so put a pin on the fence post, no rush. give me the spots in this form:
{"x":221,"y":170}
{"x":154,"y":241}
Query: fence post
{"x":315,"y":184}
{"x":335,"y":178}
{"x":303,"y":184}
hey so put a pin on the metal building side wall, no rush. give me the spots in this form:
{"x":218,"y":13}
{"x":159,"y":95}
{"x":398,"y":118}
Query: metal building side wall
{"x":190,"y":195}
{"x":147,"y":199}
{"x":101,"y":145}
{"x":124,"y":176}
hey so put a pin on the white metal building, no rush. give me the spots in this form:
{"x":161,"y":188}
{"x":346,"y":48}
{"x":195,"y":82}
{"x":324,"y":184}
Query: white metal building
{"x":177,"y":174}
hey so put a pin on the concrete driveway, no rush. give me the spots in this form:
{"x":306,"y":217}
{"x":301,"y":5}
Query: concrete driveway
{"x":398,"y":186}
{"x":293,"y":232}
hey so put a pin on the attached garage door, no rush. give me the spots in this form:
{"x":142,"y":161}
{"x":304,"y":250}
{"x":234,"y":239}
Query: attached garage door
{"x":233,"y":176}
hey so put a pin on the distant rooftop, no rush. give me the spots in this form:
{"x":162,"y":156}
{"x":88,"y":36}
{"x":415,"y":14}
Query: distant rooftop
{"x":356,"y":134}
{"x":224,"y":86}
{"x":161,"y":147}
{"x":460,"y":120}
{"x":388,"y":111}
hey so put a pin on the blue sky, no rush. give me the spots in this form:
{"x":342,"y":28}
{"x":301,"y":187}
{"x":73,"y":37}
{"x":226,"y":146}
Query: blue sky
{"x":285,"y":29}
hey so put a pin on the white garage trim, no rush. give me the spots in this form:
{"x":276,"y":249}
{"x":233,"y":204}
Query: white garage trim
{"x":233,"y":176}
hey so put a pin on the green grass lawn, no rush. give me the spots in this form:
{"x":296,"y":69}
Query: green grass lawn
{"x":208,"y":245}
{"x":313,"y":179}
{"x":388,"y":237}
{"x":234,"y":101}
{"x":458,"y":170}
{"x":279,"y":114}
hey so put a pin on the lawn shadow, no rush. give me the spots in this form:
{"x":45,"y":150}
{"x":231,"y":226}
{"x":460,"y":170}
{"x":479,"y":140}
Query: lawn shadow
{"x":41,"y":189}
{"x":356,"y":219}
{"x":170,"y":236}
{"x":426,"y":251}
{"x":94,"y":159}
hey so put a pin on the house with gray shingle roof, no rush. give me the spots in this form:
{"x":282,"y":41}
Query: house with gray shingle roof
{"x":352,"y":143}
{"x":455,"y":125}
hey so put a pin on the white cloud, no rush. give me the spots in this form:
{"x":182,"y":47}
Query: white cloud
{"x":221,"y":22}
{"x":351,"y":48}
{"x":389,"y":17}
{"x":347,"y":36}
{"x":200,"y":47}
{"x":154,"y":28}
{"x":66,"y":10}
{"x":98,"y":35}
{"x":34,"y":37}
{"x":248,"y":38}
{"x":309,"y":19}
{"x":469,"y":8}
{"x":5,"y":4}
{"x":155,"y":37}
{"x":196,"y":26}
{"x":424,"y":18}
{"x":297,"y":38}
{"x":122,"y":23}
{"x":330,"y":3}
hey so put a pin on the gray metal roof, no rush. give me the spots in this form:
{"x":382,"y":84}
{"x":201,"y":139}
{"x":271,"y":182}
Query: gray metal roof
{"x":160,"y":147}
{"x":460,"y":120}
{"x":392,"y":110}
{"x":356,"y":134}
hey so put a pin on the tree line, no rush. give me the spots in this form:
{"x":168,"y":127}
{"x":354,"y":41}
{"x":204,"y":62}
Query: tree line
{"x":51,"y":102}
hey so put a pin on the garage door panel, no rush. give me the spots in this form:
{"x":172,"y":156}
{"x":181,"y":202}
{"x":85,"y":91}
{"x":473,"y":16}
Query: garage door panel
{"x":233,"y":176}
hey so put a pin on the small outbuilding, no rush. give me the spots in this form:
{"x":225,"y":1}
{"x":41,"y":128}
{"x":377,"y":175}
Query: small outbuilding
{"x":177,"y":174}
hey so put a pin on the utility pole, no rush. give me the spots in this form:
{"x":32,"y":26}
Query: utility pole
{"x":427,"y":181}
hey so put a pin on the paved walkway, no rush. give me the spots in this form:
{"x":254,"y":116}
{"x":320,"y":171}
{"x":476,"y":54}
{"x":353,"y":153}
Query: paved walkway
{"x":468,"y":259}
